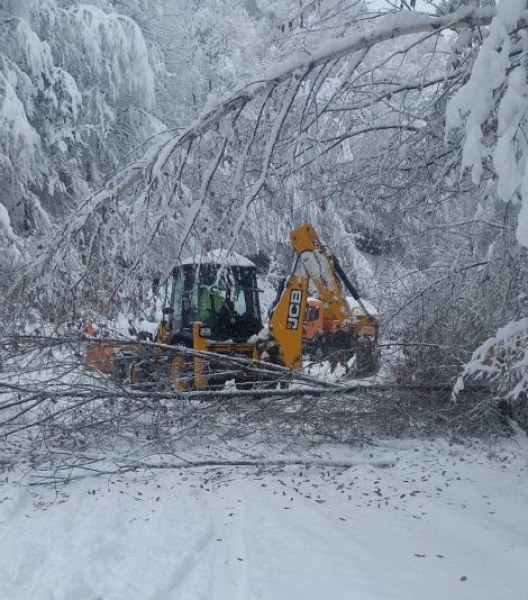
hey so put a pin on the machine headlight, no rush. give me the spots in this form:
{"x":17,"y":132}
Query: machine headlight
{"x":205,"y":332}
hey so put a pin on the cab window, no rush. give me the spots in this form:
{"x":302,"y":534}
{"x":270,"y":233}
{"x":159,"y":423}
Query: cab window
{"x":313,"y":313}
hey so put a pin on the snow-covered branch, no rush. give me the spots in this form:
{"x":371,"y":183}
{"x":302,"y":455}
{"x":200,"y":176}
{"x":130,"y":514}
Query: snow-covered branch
{"x":160,"y":195}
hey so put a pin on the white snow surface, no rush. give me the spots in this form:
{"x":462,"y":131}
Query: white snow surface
{"x":403,"y":520}
{"x":219,"y":257}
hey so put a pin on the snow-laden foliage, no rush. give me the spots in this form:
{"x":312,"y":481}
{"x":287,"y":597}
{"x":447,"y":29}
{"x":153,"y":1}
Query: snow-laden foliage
{"x":76,"y":88}
{"x":492,"y":108}
{"x":9,"y":241}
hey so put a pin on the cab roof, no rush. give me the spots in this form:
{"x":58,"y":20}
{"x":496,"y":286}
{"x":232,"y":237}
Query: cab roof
{"x":219,"y":257}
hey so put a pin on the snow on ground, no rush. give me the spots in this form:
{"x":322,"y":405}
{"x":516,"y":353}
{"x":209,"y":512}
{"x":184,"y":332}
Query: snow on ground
{"x":408,"y":520}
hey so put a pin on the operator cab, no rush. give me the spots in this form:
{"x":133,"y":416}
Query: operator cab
{"x":219,"y":290}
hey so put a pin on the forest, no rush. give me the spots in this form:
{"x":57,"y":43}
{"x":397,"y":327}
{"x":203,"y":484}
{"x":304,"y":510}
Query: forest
{"x":137,"y":134}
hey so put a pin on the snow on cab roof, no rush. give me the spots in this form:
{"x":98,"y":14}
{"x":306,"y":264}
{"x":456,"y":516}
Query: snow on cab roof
{"x":219,"y":257}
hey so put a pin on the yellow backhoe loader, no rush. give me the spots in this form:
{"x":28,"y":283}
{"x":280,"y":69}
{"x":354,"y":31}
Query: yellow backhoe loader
{"x":214,"y":311}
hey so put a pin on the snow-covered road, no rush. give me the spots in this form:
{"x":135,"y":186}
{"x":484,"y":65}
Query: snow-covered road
{"x":442,"y":522}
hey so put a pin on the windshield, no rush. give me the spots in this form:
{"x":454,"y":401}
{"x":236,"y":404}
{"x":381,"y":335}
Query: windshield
{"x":223,"y":299}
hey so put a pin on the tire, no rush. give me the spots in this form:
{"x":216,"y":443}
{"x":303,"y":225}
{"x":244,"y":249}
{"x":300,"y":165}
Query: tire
{"x":179,"y":373}
{"x":319,"y":352}
{"x":367,"y":359}
{"x":122,"y":363}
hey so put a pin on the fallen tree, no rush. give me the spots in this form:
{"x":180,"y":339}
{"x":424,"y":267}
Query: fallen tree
{"x":55,"y":415}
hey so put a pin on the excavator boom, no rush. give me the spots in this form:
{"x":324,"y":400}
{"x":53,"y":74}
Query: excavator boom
{"x":287,"y":318}
{"x":319,"y":265}
{"x":315,"y":263}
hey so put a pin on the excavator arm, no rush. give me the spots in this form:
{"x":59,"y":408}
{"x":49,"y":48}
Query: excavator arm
{"x":325,"y":272}
{"x":319,"y":265}
{"x":287,"y":317}
{"x":314,"y":262}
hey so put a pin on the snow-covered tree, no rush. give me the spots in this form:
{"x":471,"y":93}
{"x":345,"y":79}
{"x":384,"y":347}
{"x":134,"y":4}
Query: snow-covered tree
{"x":76,"y":93}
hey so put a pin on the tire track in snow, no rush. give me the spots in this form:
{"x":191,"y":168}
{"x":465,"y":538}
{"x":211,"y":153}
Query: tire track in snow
{"x":185,"y":570}
{"x":230,"y":561}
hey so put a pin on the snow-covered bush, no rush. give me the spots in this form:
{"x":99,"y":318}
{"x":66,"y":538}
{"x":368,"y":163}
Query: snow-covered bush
{"x":501,"y":365}
{"x":501,"y":361}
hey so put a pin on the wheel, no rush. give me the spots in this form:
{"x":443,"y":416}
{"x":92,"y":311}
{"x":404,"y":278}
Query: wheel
{"x":245,"y":385}
{"x":180,"y":376}
{"x":319,"y":351}
{"x":367,"y":358}
{"x":122,"y":363}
